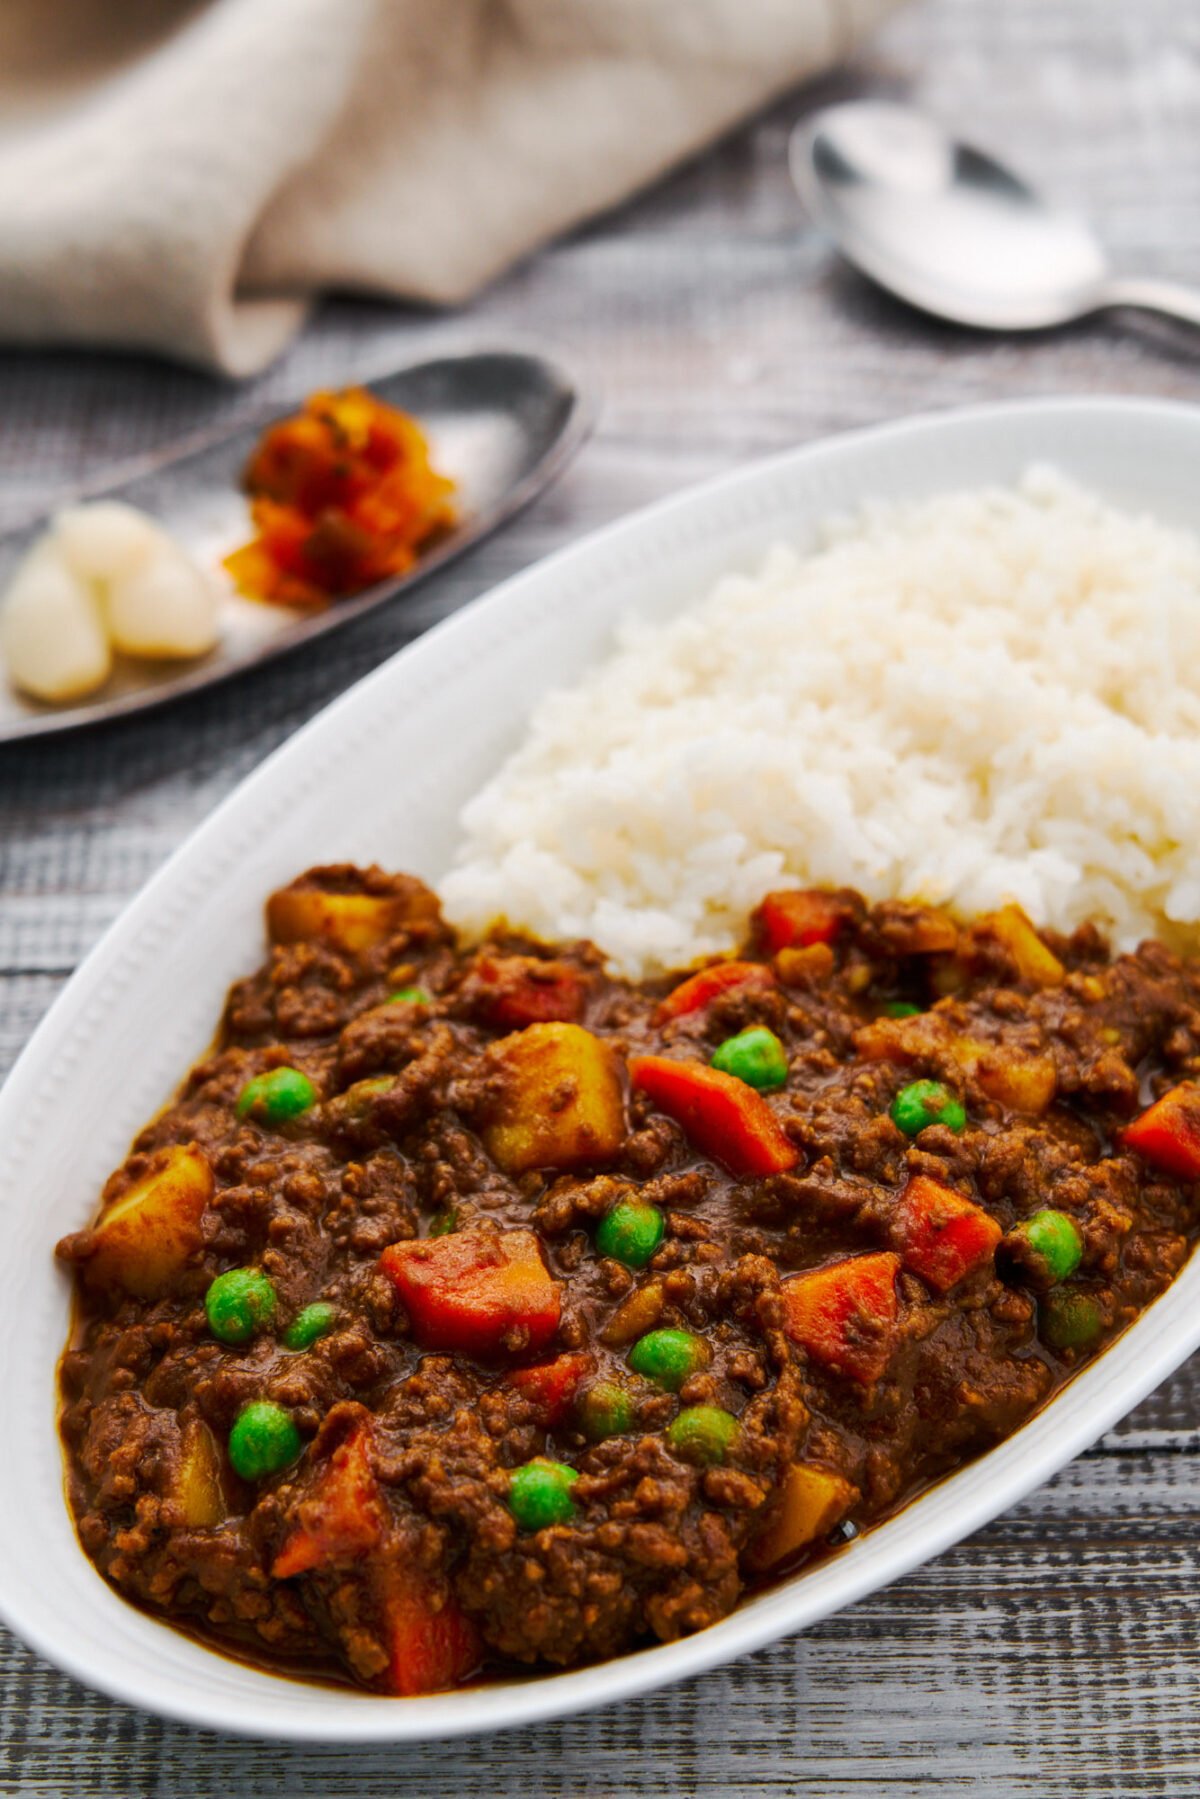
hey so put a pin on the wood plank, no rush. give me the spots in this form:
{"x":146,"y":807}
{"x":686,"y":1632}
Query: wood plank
{"x":1052,"y":1654}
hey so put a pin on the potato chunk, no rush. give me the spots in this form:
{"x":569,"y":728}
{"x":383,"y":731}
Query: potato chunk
{"x":811,"y":1501}
{"x":349,"y":921}
{"x":144,"y":1241}
{"x":1023,"y":1083}
{"x":197,"y":1487}
{"x":560,"y":1101}
{"x":1035,"y":963}
{"x":635,"y":1315}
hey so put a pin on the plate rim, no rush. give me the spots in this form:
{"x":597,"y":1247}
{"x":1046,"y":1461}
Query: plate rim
{"x":792,"y":1606}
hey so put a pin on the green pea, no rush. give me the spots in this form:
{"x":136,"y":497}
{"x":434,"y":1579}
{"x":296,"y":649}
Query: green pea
{"x":630,"y":1233}
{"x":540,"y":1494}
{"x":669,"y":1357}
{"x":755,"y":1056}
{"x":443,"y":1224}
{"x":1047,"y":1247}
{"x":1069,"y":1319}
{"x":276,"y":1096}
{"x":263,"y":1440}
{"x":703,"y":1434}
{"x":410,"y":996}
{"x":313,"y":1322}
{"x":238,"y":1303}
{"x":923,"y":1103}
{"x":901,"y":1008}
{"x":604,"y":1410}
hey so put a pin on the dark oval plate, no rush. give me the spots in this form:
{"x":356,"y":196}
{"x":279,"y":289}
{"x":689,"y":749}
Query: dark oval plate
{"x":501,"y":423}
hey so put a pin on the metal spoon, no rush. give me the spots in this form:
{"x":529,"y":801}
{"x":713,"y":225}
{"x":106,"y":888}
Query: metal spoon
{"x":953,"y":232}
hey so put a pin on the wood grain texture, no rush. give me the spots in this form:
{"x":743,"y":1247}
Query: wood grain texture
{"x":1056,"y":1652}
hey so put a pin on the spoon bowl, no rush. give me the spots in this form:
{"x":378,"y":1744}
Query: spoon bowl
{"x":951,"y":230}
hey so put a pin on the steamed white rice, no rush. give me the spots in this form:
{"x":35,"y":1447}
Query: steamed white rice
{"x":990,"y":695}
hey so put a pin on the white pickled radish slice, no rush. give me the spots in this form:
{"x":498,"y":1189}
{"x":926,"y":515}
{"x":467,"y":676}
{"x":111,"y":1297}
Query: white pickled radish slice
{"x":165,"y":606}
{"x":106,"y":540}
{"x":52,"y":635}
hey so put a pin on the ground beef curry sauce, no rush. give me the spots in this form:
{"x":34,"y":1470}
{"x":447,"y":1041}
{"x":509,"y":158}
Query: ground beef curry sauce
{"x":469,"y":1307}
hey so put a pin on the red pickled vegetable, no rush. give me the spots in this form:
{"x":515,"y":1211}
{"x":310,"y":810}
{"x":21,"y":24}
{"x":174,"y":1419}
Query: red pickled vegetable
{"x":342,"y":495}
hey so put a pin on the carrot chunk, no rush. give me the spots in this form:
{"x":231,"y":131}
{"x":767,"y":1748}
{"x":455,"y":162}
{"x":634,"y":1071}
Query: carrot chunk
{"x":551,"y":1386}
{"x":721,"y":1115}
{"x":1167,"y":1135}
{"x":343,"y":1517}
{"x":518,"y":990}
{"x":476,"y":1291}
{"x":699,"y":990}
{"x":792,"y":920}
{"x":432,"y":1644}
{"x":940,"y":1235}
{"x":845,"y":1314}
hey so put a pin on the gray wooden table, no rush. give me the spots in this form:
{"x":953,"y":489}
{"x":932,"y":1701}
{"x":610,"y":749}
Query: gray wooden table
{"x":1056,"y":1652}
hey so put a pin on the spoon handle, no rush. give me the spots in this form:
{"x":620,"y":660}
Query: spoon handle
{"x":1169,"y":297}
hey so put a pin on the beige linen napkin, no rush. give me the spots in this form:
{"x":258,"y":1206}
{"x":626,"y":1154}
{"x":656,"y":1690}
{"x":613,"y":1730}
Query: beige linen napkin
{"x":181,"y":176}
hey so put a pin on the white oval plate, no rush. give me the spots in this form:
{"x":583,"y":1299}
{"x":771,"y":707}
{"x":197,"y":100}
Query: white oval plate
{"x":380,"y":775}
